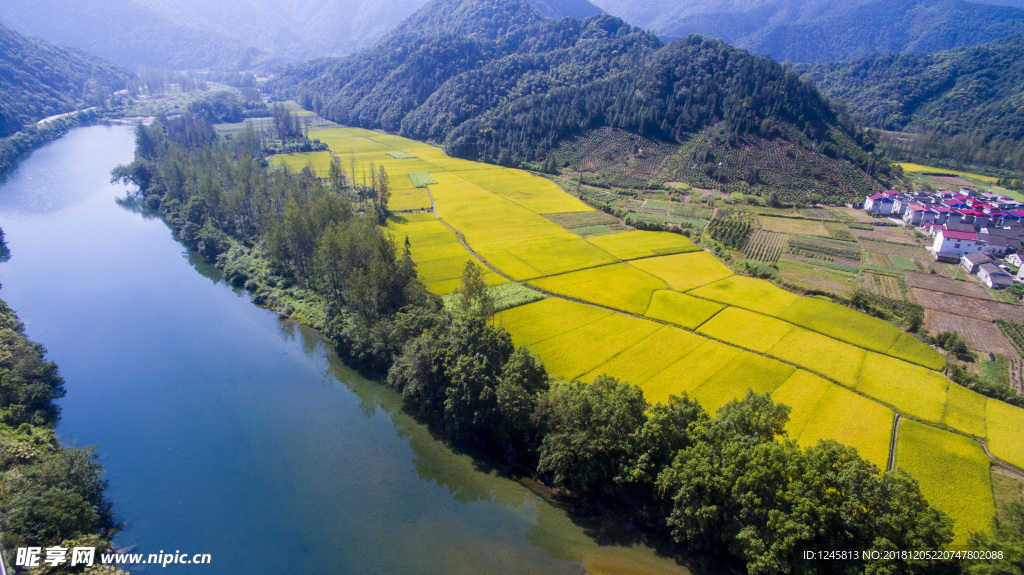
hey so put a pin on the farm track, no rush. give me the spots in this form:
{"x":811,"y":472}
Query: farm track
{"x":1006,"y":468}
{"x":892,"y":442}
{"x":1001,"y":466}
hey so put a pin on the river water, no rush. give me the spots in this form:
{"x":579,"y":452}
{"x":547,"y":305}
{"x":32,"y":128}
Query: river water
{"x":227,"y":431}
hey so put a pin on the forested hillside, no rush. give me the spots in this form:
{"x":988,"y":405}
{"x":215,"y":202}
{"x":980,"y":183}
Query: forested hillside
{"x":38,"y":79}
{"x":969,"y":102}
{"x":821,"y":30}
{"x":496,"y":80}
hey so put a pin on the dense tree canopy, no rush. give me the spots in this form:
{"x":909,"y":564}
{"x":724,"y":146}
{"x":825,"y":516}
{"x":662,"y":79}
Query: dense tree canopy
{"x":49,"y":493}
{"x":495,"y":80}
{"x":965,"y":104}
{"x":38,"y":79}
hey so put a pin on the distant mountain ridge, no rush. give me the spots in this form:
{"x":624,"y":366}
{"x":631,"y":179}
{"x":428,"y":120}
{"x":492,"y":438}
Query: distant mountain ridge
{"x":127,"y":33}
{"x":499,"y":81}
{"x":38,"y":79}
{"x":823,"y":30}
{"x":225,"y":35}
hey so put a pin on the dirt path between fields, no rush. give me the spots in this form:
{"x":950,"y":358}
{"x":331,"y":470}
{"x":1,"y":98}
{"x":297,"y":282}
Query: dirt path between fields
{"x":999,"y":465}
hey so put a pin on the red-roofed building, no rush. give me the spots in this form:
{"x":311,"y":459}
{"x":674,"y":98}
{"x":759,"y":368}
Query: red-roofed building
{"x":917,"y":215}
{"x":878,"y":203}
{"x":950,"y":245}
{"x":942,"y":214}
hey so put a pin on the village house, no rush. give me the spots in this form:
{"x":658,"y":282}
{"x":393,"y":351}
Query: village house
{"x":994,"y":277}
{"x":971,"y":263}
{"x":999,"y":246}
{"x":918,"y":215}
{"x":878,"y":204}
{"x":951,"y":246}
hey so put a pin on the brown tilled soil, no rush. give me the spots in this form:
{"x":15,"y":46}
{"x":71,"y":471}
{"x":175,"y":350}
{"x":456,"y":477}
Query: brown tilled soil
{"x":981,"y":335}
{"x":1017,"y":374}
{"x":887,"y":233}
{"x":970,"y":307}
{"x":947,"y":285}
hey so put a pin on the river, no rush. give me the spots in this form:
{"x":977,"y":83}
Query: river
{"x":227,"y":431}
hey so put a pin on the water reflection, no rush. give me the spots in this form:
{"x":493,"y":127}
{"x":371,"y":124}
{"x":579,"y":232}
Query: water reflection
{"x":224,"y":429}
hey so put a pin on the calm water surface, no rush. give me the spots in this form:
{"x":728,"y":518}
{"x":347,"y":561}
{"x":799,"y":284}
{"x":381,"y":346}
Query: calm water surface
{"x":226,"y":431}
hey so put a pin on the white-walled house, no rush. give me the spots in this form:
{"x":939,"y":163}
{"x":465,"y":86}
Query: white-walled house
{"x":994,"y":277}
{"x":954,"y":245}
{"x":878,"y":204}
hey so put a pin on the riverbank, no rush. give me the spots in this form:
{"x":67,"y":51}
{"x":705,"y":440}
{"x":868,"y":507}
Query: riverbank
{"x":51,"y":494}
{"x":15,"y":148}
{"x":226,"y":430}
{"x":463,"y":376}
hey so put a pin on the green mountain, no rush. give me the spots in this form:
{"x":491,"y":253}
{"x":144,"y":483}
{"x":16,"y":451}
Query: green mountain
{"x":38,"y":79}
{"x":497,"y":80}
{"x":825,"y":30}
{"x":974,"y":97}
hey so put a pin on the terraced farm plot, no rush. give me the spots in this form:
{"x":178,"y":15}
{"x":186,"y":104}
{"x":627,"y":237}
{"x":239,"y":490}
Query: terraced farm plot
{"x":793,"y":226}
{"x":921,"y":169}
{"x":577,"y":221}
{"x":440,"y":258}
{"x":746,"y":329}
{"x":811,"y":278}
{"x":748,"y":371}
{"x":748,"y":293}
{"x":344,"y":141}
{"x":947,"y":285}
{"x":985,"y":310}
{"x":649,"y":357}
{"x":965,"y":410}
{"x":851,"y":419}
{"x":534,"y":193}
{"x":1005,"y":427}
{"x":691,"y":211}
{"x":830,"y":357}
{"x":633,"y":245}
{"x":547,"y":318}
{"x":690,"y":372}
{"x":319,"y":161}
{"x":802,"y":392}
{"x":409,"y":199}
{"x":954,"y":475}
{"x":683,"y":272}
{"x":562,"y":255}
{"x":910,"y":389}
{"x":884,"y":234}
{"x":765,"y":246}
{"x":841,"y":323}
{"x":911,"y":349}
{"x":983,"y":335}
{"x":578,"y":352}
{"x":421,"y":179}
{"x":903,"y":263}
{"x":839,"y":231}
{"x":886,"y":286}
{"x":681,"y":309}
{"x":618,"y":286}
